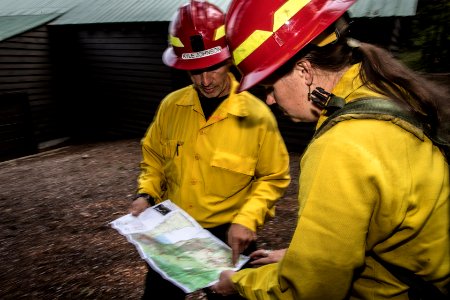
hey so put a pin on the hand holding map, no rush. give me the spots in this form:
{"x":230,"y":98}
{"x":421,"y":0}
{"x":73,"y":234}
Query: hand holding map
{"x":177,"y":247}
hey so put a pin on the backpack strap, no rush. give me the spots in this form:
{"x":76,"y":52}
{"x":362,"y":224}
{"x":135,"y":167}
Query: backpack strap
{"x":387,"y":110}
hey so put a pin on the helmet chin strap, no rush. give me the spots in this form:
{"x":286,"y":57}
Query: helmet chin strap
{"x":325,"y":100}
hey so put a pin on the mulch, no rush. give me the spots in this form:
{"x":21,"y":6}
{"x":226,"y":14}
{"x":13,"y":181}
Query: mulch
{"x":56,"y":241}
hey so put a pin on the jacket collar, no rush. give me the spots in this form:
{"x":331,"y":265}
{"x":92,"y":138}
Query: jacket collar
{"x":350,"y":87}
{"x":235,"y":104}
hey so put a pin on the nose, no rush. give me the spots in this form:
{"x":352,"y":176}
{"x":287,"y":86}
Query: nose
{"x":270,"y":99}
{"x":205,"y":78}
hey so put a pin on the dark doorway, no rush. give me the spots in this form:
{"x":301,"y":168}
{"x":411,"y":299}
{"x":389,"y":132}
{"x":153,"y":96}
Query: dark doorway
{"x":16,"y":132}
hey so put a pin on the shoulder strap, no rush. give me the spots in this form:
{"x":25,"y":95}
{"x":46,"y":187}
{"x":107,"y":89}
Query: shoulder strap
{"x":369,"y":108}
{"x":375,"y":106}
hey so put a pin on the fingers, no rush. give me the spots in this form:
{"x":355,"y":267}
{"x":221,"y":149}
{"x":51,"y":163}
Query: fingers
{"x":224,"y":286}
{"x":237,"y":247}
{"x":260,"y":253}
{"x":260,"y":257}
{"x":138,"y":206}
{"x":264,"y":257}
{"x":236,"y":250}
{"x":259,"y":262}
{"x":239,"y":238}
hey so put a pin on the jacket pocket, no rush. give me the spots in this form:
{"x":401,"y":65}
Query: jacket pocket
{"x":172,"y":150}
{"x":229,"y":173}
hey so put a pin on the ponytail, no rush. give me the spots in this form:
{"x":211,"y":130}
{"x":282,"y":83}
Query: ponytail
{"x":384,"y":74}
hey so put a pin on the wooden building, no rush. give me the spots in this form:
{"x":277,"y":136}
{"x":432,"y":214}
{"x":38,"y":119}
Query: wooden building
{"x":83,"y":69}
{"x":29,"y":112}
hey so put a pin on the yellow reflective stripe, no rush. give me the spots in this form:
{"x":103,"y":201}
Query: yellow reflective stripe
{"x":219,"y":33}
{"x":286,"y":12}
{"x":174,"y":41}
{"x":250,"y":44}
{"x":258,"y":37}
{"x":326,"y":40}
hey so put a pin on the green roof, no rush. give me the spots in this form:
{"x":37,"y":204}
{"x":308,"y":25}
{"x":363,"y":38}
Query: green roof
{"x":14,"y":25}
{"x":125,"y":11}
{"x":18,"y":16}
{"x":383,"y":8}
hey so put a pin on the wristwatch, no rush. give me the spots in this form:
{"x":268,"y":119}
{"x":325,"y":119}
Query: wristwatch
{"x":150,"y":199}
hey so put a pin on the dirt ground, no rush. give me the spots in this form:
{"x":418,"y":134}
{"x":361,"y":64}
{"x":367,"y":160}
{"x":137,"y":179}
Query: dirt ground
{"x":55,"y":241}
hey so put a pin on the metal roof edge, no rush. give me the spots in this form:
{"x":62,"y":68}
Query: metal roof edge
{"x":11,"y":26}
{"x":383,"y":8}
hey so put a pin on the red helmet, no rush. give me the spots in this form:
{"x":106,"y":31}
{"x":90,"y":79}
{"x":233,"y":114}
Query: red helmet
{"x":196,"y":37}
{"x":264,"y":34}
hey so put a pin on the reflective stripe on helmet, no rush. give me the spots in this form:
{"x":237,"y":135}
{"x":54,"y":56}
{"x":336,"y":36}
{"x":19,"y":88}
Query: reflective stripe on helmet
{"x":200,"y":54}
{"x":258,"y":37}
{"x":219,"y":33}
{"x":264,"y":34}
{"x":196,"y":37}
{"x":175,"y":42}
{"x":250,"y":45}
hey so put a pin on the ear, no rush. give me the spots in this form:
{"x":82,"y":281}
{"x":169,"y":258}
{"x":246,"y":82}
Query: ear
{"x":306,"y":70}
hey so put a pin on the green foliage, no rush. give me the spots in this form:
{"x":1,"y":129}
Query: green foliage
{"x":428,"y":49}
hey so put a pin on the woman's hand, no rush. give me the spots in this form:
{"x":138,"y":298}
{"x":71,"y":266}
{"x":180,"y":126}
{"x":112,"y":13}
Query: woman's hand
{"x":263,"y":257}
{"x":224,"y":286}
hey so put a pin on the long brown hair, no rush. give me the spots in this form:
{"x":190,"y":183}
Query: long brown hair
{"x":383,"y":73}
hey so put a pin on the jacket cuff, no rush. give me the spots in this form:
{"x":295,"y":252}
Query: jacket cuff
{"x":241,"y":220}
{"x":147,"y":197}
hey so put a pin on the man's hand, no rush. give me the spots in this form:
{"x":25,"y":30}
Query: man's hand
{"x":224,"y":286}
{"x":239,"y":237}
{"x":138,"y":206}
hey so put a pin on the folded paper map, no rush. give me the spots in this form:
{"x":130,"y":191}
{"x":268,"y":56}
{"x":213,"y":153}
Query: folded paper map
{"x":177,"y":247}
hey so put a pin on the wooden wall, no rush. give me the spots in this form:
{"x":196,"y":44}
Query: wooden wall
{"x":112,"y":79}
{"x":114,"y":76}
{"x":16,"y":131}
{"x":89,"y":82}
{"x":26,"y":70}
{"x":96,"y":81}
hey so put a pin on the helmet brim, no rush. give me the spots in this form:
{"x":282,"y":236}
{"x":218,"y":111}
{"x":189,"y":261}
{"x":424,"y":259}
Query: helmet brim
{"x":284,"y":43}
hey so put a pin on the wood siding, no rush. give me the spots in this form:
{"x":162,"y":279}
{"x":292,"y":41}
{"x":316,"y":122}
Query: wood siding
{"x":114,"y":76}
{"x":112,"y":79}
{"x":25,"y":68}
{"x":16,"y":134}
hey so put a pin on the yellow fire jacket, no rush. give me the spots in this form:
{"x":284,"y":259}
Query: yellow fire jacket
{"x":229,"y":169}
{"x":365,"y":185}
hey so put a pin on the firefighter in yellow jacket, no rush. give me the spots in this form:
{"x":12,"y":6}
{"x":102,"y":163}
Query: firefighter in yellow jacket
{"x":373,"y":193}
{"x":216,"y":154}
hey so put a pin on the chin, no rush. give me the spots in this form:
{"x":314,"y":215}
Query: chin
{"x":210,"y":95}
{"x":296,"y":119}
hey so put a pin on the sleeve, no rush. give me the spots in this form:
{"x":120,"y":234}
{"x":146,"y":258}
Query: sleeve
{"x":328,"y":245}
{"x":271,"y":179}
{"x":261,"y":285}
{"x":151,"y":179}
